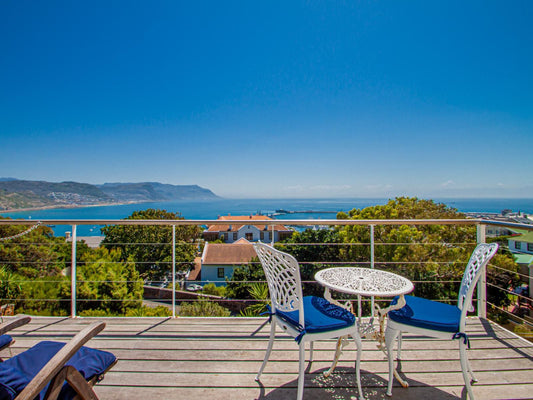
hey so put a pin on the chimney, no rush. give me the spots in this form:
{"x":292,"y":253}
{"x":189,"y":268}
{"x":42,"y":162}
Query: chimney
{"x":67,"y":235}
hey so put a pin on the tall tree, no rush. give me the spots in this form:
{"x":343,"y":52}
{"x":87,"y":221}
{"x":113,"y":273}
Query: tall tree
{"x":432,"y":256}
{"x":150,"y":247}
{"x":106,"y":283}
{"x":37,"y":253}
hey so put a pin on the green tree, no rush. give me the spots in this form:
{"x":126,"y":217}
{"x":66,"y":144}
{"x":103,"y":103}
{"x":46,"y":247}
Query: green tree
{"x":150,"y":246}
{"x":314,"y":250}
{"x":430,"y":255}
{"x":36,"y":261}
{"x":35,"y":254}
{"x":239,"y":286}
{"x":106,"y":283}
{"x":423,"y":253}
{"x":9,"y":285}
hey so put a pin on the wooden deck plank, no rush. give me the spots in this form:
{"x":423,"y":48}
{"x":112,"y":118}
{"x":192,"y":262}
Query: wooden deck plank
{"x":315,"y":378}
{"x":283,"y":393}
{"x":373,"y":366}
{"x":218,"y":358}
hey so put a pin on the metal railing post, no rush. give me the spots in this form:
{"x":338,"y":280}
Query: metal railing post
{"x":372,"y":265}
{"x":482,"y":285}
{"x":173,"y":271}
{"x":73,"y":273}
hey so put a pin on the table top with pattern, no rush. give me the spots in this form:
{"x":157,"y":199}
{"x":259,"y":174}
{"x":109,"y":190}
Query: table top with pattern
{"x":364,"y":281}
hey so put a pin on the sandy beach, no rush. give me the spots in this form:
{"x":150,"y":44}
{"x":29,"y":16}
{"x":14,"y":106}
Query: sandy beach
{"x":68,"y":206}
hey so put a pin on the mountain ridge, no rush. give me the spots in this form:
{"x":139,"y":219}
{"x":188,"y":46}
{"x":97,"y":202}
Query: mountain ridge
{"x":18,"y":194}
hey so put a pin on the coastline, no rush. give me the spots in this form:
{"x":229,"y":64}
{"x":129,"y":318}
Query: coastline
{"x":202,"y":209}
{"x":69,"y":206}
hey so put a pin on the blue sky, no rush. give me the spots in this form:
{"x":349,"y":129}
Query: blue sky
{"x":271,"y":99}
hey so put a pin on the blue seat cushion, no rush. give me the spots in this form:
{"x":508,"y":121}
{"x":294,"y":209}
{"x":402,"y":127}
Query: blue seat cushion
{"x":427,"y":314}
{"x":18,"y":371}
{"x":5,"y":340}
{"x":320,"y":316}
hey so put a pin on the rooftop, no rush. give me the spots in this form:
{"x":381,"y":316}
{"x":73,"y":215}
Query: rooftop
{"x":246,"y":218}
{"x":524,"y":237}
{"x":240,"y":252}
{"x":217,"y":358}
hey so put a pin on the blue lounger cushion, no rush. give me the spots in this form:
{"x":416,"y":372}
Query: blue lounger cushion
{"x":427,"y":314}
{"x":5,"y":340}
{"x":320,"y":316}
{"x":18,"y":371}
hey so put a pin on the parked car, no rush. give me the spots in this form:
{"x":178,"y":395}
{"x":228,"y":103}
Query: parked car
{"x":193,"y":287}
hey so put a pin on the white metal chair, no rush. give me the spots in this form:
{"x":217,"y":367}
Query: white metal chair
{"x":440,"y":320}
{"x":307,"y":318}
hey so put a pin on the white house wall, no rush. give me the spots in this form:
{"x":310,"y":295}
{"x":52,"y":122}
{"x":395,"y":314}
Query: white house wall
{"x":241,"y":234}
{"x":517,"y":246}
{"x":210,"y":274}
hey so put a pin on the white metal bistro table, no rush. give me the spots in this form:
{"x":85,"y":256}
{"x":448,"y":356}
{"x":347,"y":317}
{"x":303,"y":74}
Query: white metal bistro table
{"x":364,"y":282}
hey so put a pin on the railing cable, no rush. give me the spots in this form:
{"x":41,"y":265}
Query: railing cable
{"x":31,"y":228}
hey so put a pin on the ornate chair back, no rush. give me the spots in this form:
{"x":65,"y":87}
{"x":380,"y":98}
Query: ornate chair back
{"x":478,"y":260}
{"x":283,"y":277}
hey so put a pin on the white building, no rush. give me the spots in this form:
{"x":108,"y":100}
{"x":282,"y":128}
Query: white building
{"x":219,"y":260}
{"x":249,"y":228}
{"x":521,"y":243}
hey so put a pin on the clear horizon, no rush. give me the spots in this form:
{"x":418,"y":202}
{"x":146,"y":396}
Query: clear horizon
{"x":272,"y":100}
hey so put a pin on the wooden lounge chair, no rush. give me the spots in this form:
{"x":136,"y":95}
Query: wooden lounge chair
{"x":54,"y":370}
{"x":5,"y":339}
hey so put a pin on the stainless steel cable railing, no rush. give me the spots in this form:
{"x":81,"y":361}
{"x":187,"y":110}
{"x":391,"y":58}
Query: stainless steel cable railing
{"x":171,"y":266}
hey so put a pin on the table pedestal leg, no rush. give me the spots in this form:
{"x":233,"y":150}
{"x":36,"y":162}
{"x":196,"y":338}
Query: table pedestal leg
{"x":380,"y":336}
{"x":341,"y":341}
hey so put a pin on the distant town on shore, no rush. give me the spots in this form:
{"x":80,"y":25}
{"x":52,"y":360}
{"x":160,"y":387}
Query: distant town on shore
{"x":16,"y":194}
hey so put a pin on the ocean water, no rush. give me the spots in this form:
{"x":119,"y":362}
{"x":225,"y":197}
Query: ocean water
{"x":323,"y":209}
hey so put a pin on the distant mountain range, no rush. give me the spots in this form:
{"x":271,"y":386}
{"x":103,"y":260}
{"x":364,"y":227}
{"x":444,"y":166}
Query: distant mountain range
{"x":17,"y":194}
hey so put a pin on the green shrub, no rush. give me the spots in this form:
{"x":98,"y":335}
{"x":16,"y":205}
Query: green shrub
{"x":203,"y":308}
{"x":144,"y":311}
{"x":214,"y":290}
{"x":258,"y":291}
{"x":95,"y":313}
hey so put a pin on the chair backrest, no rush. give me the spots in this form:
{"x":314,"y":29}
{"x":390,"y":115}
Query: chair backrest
{"x":478,"y":260}
{"x":283,"y":277}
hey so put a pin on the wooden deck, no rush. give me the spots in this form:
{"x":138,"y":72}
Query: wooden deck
{"x":217,"y":358}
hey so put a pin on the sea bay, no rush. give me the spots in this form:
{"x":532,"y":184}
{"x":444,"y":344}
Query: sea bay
{"x":310,"y":209}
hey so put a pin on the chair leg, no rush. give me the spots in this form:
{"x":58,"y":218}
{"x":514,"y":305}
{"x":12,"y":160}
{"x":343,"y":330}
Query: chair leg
{"x":357,"y":338}
{"x":301,"y":371}
{"x":399,"y":352}
{"x":390,"y":336}
{"x":465,"y":367}
{"x":75,"y":379}
{"x":269,"y":348}
{"x":474,"y":379}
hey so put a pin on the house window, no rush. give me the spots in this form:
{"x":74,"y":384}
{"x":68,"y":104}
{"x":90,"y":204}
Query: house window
{"x":220,"y":272}
{"x":234,"y":235}
{"x":262,"y":235}
{"x":517,"y":245}
{"x":250,"y":236}
{"x":530,"y":247}
{"x":224,"y":236}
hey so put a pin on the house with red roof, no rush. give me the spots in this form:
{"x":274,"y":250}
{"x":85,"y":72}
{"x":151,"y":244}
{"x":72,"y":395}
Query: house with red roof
{"x":219,"y":260}
{"x":248,"y":227}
